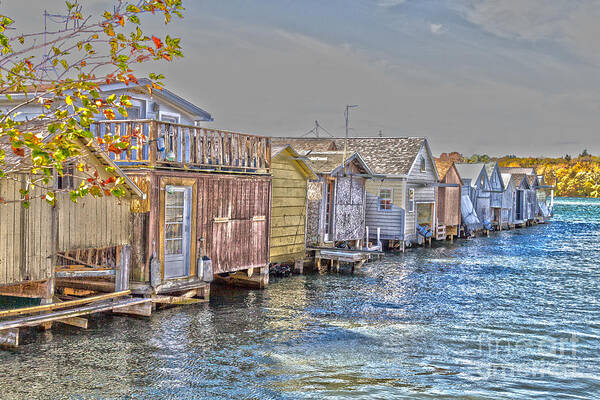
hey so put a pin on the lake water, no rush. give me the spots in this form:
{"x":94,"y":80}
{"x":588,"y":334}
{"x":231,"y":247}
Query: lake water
{"x":515,"y":315}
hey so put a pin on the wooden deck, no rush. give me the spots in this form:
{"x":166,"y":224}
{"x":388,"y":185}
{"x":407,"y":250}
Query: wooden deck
{"x":159,"y":144}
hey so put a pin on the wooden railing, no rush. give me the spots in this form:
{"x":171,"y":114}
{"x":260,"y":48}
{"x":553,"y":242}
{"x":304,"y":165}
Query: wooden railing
{"x":168,"y":145}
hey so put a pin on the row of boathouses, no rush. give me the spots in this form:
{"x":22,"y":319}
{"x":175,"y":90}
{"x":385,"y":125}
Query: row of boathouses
{"x":206,"y":206}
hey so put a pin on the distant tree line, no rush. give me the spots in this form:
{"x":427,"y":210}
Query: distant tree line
{"x":572,"y":176}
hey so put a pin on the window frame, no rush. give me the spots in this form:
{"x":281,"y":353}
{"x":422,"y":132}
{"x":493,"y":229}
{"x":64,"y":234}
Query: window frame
{"x":423,"y":167}
{"x":410,"y":202}
{"x":390,"y":199}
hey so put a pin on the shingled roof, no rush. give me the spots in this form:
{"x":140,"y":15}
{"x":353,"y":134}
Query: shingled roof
{"x":384,"y":155}
{"x":518,"y":178}
{"x":327,"y":162}
{"x":518,"y":170}
{"x":306,"y":144}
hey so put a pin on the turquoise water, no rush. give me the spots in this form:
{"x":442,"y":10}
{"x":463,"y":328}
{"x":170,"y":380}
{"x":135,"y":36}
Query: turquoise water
{"x":515,"y":315}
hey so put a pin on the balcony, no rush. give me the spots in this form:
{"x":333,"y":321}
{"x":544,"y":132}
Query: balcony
{"x":158,"y":144}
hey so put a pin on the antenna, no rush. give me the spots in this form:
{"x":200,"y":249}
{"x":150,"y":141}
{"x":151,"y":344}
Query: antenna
{"x":315,"y":131}
{"x":347,"y":115}
{"x":57,"y":19}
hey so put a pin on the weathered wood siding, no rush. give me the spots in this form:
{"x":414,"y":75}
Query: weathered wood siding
{"x":448,"y":200}
{"x":25,"y":242}
{"x":288,"y":213}
{"x":314,"y":212}
{"x":424,"y":192}
{"x":391,"y":221}
{"x":26,"y":247}
{"x":241,"y":241}
{"x":496,"y":186}
{"x":92,"y":222}
{"x":508,"y":201}
{"x":349,"y":208}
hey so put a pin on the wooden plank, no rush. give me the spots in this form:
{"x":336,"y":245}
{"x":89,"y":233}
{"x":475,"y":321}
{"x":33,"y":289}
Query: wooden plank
{"x":143,"y":309}
{"x":75,"y":321}
{"x":92,"y":273}
{"x":65,"y":304}
{"x":76,"y":312}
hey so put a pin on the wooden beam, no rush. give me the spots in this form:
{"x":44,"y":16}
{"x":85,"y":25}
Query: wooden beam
{"x":97,"y":286}
{"x":142,"y":309}
{"x":89,"y":273}
{"x":61,"y":305}
{"x":75,"y":321}
{"x":31,"y":289}
{"x":35,"y":320}
{"x":176,"y":300}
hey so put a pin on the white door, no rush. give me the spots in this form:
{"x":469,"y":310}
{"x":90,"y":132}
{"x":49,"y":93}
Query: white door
{"x":178,"y":222}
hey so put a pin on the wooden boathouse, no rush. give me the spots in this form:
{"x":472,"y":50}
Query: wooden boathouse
{"x":401,"y":196}
{"x":497,"y":212}
{"x":291,"y":174}
{"x":207,"y":210}
{"x":449,"y":192}
{"x":477,"y":185}
{"x":42,"y":246}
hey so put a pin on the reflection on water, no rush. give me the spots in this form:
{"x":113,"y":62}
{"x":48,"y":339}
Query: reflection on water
{"x":515,"y":315}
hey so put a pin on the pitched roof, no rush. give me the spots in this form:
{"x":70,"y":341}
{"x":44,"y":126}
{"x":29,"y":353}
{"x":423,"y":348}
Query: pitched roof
{"x":306,"y":144}
{"x":469,"y":171}
{"x":302,"y":162}
{"x":90,"y":148}
{"x":386,"y":155}
{"x":443,"y":166}
{"x":327,"y":162}
{"x":518,"y":179}
{"x":506,"y":179}
{"x":489,"y":167}
{"x":518,"y":170}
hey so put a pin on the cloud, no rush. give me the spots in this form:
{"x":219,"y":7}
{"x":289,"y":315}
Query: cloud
{"x":389,"y":3}
{"x":437,"y":29}
{"x":570,"y":24}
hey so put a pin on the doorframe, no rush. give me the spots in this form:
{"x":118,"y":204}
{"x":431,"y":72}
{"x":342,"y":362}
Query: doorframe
{"x":178,"y":181}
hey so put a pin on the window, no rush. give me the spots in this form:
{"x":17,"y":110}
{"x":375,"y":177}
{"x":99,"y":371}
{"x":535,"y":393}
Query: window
{"x":411,"y":200}
{"x":422,"y":164}
{"x":172,"y":119}
{"x":65,"y":181}
{"x":385,"y":199}
{"x":481,"y":182}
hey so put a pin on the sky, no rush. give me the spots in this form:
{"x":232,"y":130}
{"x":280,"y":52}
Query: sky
{"x":475,"y":76}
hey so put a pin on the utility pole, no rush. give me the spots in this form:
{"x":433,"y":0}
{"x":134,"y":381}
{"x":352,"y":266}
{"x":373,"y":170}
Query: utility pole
{"x":347,"y":115}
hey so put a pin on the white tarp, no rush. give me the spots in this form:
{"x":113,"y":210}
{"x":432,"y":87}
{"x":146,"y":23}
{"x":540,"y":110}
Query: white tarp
{"x":544,"y":209}
{"x":469,"y":216}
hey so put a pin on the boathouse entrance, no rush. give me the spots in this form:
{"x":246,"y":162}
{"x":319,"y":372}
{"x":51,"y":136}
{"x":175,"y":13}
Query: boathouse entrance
{"x":519,"y":205}
{"x":178,"y":222}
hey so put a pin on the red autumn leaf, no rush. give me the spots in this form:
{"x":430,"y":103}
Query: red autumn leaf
{"x":106,"y":192}
{"x":121,"y":21}
{"x":18,"y":151}
{"x":90,"y":180}
{"x":132,"y":78}
{"x":167,"y":57}
{"x":96,"y":173}
{"x":111,"y":179}
{"x":157,"y":42}
{"x":29,"y":64}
